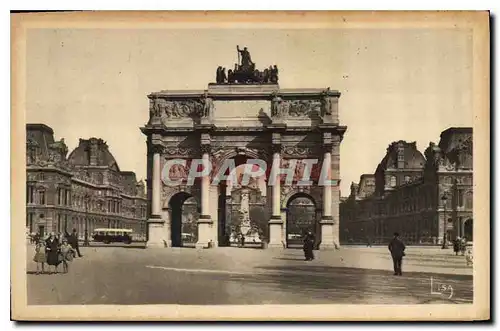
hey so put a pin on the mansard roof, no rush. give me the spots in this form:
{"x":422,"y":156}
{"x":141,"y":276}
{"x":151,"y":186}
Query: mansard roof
{"x":41,"y":136}
{"x":413,"y":158}
{"x":93,"y":152}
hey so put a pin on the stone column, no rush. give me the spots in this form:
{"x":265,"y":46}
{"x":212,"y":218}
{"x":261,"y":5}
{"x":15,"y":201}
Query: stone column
{"x":276,"y":223}
{"x":327,"y":239}
{"x":205,"y":221}
{"x":156,"y":234}
{"x":214,"y":210}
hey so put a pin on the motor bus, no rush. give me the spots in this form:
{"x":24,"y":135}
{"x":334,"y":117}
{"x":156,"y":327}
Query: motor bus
{"x":108,"y":236}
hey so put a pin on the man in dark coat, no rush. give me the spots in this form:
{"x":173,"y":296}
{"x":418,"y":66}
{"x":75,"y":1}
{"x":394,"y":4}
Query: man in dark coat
{"x":309,"y":246}
{"x":397,"y":249}
{"x":73,"y":241}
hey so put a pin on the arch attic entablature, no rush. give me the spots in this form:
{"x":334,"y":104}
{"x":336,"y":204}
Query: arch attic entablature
{"x":234,"y":108}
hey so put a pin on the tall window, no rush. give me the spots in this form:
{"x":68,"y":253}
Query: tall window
{"x":393,"y":181}
{"x":68,"y":198}
{"x":30,"y":222}
{"x":58,"y":222}
{"x":468,"y":200}
{"x":460,"y":198}
{"x":29,"y":193}
{"x":41,"y":197}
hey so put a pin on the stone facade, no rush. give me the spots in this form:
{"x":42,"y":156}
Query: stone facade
{"x":241,"y":122}
{"x":425,"y":199}
{"x":85,"y":190}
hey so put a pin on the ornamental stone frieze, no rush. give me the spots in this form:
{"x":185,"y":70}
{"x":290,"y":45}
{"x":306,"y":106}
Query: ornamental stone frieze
{"x":180,"y":152}
{"x":300,"y":152}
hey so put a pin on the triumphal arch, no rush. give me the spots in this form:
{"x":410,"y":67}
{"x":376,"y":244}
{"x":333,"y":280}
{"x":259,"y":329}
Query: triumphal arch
{"x":244,"y":115}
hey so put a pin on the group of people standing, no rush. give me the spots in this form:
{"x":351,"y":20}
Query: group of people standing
{"x":459,"y":245}
{"x":56,"y":250}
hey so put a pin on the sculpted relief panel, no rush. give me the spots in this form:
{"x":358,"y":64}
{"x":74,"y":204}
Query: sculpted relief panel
{"x":164,"y":109}
{"x":281,"y":108}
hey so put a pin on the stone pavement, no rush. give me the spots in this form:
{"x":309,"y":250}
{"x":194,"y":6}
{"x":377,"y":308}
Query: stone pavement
{"x":120,"y":275}
{"x":417,"y":259}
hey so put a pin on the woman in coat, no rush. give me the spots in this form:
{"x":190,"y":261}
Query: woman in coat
{"x":52,"y":250}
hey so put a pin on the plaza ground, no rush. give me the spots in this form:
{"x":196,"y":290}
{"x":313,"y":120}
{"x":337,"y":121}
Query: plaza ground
{"x":133,"y":275}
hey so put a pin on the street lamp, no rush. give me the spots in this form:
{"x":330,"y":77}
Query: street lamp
{"x":86,"y":234}
{"x":444,"y":198}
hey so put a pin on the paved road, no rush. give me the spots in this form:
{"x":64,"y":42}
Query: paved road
{"x":121,"y":275}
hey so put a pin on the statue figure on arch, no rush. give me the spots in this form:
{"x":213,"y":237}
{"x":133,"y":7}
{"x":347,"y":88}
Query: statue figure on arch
{"x":246,"y":60}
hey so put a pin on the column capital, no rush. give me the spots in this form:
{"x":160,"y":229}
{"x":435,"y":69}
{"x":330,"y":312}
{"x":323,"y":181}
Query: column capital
{"x":276,"y":148}
{"x":205,"y":148}
{"x":327,"y":148}
{"x":156,"y":149}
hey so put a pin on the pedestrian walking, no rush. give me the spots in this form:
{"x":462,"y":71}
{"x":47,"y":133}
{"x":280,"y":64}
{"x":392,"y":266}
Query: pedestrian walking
{"x":397,"y":249}
{"x":40,"y":257}
{"x":456,"y":245}
{"x":66,"y":254}
{"x":309,"y":246}
{"x":73,"y":241}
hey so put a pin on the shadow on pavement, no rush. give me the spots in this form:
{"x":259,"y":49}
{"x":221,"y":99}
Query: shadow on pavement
{"x":351,"y":285}
{"x":314,"y":270}
{"x":134,"y":246}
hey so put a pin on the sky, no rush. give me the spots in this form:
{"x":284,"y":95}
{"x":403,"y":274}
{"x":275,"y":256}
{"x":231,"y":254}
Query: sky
{"x":396,"y":84}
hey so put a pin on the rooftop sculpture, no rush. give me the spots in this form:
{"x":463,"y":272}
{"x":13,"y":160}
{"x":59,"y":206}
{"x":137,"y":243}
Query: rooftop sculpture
{"x":244,"y":71}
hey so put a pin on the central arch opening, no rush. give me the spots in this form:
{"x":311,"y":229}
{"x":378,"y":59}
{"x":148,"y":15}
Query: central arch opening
{"x":184,"y":217}
{"x":242,"y":212}
{"x":300,"y":218}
